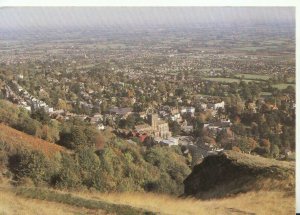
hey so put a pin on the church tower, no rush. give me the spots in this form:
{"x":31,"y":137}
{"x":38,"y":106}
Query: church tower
{"x":154,"y":121}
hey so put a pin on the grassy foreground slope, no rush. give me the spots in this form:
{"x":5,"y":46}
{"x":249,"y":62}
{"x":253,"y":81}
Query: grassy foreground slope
{"x":23,"y":201}
{"x":271,"y":192}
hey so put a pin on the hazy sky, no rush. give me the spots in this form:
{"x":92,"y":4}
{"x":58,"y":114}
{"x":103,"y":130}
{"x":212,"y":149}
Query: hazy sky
{"x":62,"y":17}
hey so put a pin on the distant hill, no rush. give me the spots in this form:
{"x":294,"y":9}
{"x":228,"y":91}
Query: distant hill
{"x":231,"y":172}
{"x":16,"y":139}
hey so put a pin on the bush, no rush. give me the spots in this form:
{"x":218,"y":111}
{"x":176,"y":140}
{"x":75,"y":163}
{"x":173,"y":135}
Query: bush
{"x":31,"y":164}
{"x":171,"y":165}
{"x":274,"y":151}
{"x":89,"y":165}
{"x":79,"y":136}
{"x":69,"y":173}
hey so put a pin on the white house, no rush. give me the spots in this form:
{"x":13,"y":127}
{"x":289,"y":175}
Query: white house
{"x":100,"y":127}
{"x":190,"y":110}
{"x":219,"y":105}
{"x":171,"y":141}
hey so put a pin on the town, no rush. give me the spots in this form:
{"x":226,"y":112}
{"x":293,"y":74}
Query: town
{"x":175,"y":98}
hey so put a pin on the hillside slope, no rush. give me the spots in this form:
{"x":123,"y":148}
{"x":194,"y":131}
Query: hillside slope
{"x":232,"y":172}
{"x":36,"y":201}
{"x":16,"y":139}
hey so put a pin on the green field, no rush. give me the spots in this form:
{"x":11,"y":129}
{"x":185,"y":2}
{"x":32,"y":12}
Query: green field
{"x":257,"y":48}
{"x":254,"y":76}
{"x":209,"y":69}
{"x":250,"y":48}
{"x":227,"y":80}
{"x":282,"y":86}
{"x":291,"y":80}
{"x":265,"y":94}
{"x":204,"y":95}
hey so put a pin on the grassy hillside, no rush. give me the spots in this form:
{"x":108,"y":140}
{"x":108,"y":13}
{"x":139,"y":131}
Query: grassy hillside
{"x":36,"y":201}
{"x":16,"y":139}
{"x":266,"y":196}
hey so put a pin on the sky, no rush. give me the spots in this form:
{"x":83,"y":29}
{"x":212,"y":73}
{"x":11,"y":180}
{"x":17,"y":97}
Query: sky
{"x":62,"y":17}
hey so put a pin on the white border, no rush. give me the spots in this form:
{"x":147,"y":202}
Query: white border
{"x":148,"y":3}
{"x":212,"y":3}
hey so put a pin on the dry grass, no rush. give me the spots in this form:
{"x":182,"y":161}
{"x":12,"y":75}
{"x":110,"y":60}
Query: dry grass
{"x":18,"y":139}
{"x":262,"y":202}
{"x":10,"y":204}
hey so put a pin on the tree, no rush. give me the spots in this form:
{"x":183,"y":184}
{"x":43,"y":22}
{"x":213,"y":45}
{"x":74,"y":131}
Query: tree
{"x":100,"y":142}
{"x":198,"y":128}
{"x":246,"y":144}
{"x":74,"y":138}
{"x":179,"y":92}
{"x":50,"y":132}
{"x":161,"y":87}
{"x":172,"y":167}
{"x":274,"y":151}
{"x":174,"y":127}
{"x":62,"y":104}
{"x":69,"y":173}
{"x":8,"y":113}
{"x":104,"y":106}
{"x":29,"y":126}
{"x":32,"y":164}
{"x":89,"y":164}
{"x":41,"y":115}
{"x":265,"y":143}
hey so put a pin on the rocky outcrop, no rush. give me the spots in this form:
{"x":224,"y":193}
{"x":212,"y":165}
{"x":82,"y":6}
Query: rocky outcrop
{"x":232,"y":172}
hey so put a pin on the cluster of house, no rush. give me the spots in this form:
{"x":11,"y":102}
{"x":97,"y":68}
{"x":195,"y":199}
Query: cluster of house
{"x":157,"y":126}
{"x":200,"y":150}
{"x":24,"y":99}
{"x":174,"y":113}
{"x":216,"y":127}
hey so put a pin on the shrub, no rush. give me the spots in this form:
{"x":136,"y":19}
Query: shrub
{"x":69,"y":173}
{"x":31,"y":164}
{"x":89,"y":165}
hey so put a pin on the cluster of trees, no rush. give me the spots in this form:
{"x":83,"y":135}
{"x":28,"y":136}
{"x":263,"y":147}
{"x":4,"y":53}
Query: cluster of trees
{"x":113,"y":166}
{"x":267,"y":132}
{"x":76,"y":134}
{"x":119,"y":166}
{"x":130,"y":121}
